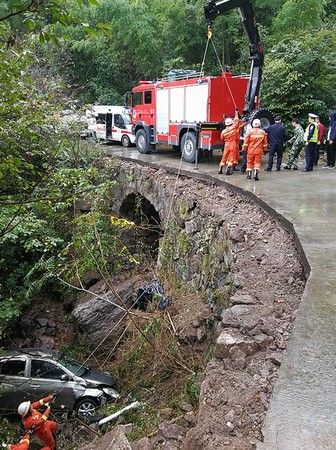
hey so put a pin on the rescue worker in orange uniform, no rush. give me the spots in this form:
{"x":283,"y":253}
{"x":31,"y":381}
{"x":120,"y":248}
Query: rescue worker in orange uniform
{"x":230,"y":136}
{"x":24,"y":443}
{"x":255,"y":143}
{"x":44,"y":429}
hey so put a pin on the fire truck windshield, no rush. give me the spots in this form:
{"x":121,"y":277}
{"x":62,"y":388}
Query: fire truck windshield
{"x":136,"y":98}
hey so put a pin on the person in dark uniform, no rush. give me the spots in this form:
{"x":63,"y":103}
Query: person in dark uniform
{"x":330,"y":142}
{"x":276,"y":135}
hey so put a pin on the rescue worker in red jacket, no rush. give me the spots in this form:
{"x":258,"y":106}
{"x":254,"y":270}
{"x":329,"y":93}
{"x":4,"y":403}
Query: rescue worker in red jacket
{"x":255,"y":143}
{"x":44,"y":428}
{"x":24,"y":443}
{"x":230,"y":136}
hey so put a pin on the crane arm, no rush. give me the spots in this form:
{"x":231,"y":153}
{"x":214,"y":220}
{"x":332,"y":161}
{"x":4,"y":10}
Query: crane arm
{"x":212,"y":9}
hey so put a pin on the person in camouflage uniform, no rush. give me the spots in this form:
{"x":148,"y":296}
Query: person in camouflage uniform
{"x":297,"y":142}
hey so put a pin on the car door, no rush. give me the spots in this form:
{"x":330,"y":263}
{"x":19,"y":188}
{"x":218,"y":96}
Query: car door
{"x":13,"y":383}
{"x":101,"y":127}
{"x":119,"y":125}
{"x":109,"y":125}
{"x":48,"y":377}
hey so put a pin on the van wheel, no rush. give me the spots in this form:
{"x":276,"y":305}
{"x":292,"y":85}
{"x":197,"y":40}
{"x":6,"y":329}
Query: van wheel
{"x":86,"y":407}
{"x":188,"y":147}
{"x":125,"y":141}
{"x":141,"y":142}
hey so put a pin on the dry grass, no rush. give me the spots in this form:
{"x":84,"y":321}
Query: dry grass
{"x":152,"y":363}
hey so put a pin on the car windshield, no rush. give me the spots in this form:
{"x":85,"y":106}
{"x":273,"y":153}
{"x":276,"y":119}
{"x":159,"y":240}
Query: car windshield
{"x":77,"y":369}
{"x":126,"y":119}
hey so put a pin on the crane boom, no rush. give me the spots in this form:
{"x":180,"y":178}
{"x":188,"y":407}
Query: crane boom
{"x":212,"y":9}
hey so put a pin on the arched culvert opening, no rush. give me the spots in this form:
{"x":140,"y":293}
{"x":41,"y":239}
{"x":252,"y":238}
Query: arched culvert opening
{"x":143,"y":240}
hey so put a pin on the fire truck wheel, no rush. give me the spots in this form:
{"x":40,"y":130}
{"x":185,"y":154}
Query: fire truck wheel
{"x":125,"y":141}
{"x":189,"y":147}
{"x":141,"y":142}
{"x":264,"y":115}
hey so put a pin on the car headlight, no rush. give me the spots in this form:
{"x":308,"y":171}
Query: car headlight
{"x":111,"y":392}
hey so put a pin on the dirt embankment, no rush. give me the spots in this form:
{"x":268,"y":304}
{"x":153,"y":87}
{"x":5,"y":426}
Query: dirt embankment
{"x":250,"y":321}
{"x":246,"y":320}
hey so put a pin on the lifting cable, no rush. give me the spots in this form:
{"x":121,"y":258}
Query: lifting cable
{"x":218,"y":60}
{"x":206,"y":47}
{"x":181,"y":159}
{"x":233,"y":101}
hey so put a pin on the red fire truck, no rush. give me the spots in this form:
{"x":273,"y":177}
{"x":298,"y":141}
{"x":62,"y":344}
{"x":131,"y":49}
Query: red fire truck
{"x":187,"y":109}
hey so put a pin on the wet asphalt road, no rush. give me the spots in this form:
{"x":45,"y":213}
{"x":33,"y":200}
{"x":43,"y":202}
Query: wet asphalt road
{"x":302,"y":412}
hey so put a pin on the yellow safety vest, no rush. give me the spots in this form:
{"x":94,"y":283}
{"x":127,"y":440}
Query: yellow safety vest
{"x":314,"y":138}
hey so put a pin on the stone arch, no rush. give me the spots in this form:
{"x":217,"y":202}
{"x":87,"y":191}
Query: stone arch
{"x":144,"y":238}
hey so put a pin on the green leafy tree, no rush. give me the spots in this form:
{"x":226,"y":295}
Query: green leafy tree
{"x":25,"y":241}
{"x":105,"y":68}
{"x":299,"y":75}
{"x":267,"y":11}
{"x":42,"y":174}
{"x":298,"y":15}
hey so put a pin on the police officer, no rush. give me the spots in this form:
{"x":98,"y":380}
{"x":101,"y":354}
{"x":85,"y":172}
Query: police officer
{"x":311,"y":138}
{"x":276,"y":134}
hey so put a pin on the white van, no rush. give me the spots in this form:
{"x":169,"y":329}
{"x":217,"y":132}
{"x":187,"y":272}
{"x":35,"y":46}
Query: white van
{"x":111,"y":123}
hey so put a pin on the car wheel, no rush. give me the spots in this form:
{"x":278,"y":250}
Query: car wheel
{"x":86,"y":407}
{"x":125,"y":141}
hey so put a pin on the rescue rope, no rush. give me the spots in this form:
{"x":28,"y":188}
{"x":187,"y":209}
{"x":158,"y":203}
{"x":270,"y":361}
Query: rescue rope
{"x":206,"y":49}
{"x":230,"y":92}
{"x":181,"y":159}
{"x":231,"y":95}
{"x":218,"y":60}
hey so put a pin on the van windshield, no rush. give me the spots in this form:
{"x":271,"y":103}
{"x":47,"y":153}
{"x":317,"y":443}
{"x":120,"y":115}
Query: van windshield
{"x":126,"y":119}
